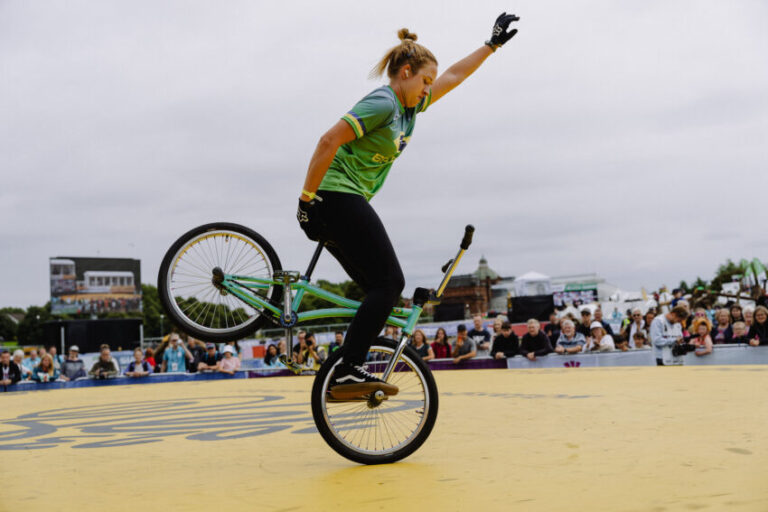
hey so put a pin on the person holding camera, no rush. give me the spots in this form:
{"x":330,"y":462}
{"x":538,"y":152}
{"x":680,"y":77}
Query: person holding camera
{"x":666,"y":332}
{"x":307,"y":355}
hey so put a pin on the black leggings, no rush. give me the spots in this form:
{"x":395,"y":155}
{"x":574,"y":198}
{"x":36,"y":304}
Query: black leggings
{"x":356,"y":237}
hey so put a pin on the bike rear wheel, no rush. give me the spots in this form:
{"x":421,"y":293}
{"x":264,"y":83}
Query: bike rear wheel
{"x":391,"y":430}
{"x":188,"y":293}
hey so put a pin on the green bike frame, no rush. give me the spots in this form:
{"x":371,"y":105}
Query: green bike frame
{"x":296,"y":286}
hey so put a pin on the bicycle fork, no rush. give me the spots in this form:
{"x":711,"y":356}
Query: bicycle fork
{"x":423,"y":296}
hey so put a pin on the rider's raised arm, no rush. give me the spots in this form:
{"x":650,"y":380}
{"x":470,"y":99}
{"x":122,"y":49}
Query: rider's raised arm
{"x":457,"y":73}
{"x":329,"y":143}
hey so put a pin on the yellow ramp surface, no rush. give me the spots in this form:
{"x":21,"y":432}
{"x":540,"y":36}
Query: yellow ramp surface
{"x":619,"y":439}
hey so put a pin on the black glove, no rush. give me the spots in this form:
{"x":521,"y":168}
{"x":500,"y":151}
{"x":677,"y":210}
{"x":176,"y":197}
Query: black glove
{"x":309,"y":220}
{"x":499,"y":36}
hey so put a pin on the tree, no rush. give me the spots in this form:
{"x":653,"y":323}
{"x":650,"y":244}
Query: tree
{"x":684,"y":286}
{"x":8,"y":326}
{"x":30,"y":330}
{"x":725,"y":274}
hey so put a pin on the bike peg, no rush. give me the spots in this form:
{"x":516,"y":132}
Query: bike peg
{"x":447,"y":266}
{"x":467,"y":240}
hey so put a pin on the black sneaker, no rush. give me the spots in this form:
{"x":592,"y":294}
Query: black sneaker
{"x":350,"y":381}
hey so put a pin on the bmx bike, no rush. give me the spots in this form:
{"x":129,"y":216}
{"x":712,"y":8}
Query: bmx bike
{"x":222,"y":282}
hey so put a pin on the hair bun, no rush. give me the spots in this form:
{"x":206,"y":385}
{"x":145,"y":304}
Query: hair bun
{"x":405,"y":35}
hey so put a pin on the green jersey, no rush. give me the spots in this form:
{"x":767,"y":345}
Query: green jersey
{"x":383,"y":128}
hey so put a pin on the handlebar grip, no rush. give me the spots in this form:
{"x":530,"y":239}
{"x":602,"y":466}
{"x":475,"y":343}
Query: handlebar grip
{"x":467,"y":240}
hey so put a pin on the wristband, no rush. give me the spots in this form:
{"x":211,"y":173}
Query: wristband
{"x":492,"y":46}
{"x":310,"y":195}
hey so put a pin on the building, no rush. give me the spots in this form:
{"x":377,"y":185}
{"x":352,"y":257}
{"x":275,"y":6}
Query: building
{"x":474,"y":291}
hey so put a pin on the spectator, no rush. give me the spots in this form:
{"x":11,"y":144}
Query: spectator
{"x":10,"y":373}
{"x":677,"y":296}
{"x":723,"y":332}
{"x":736,"y":313}
{"x":552,"y":330}
{"x":104,"y":367}
{"x":599,"y":318}
{"x":45,"y":372}
{"x":497,"y":321}
{"x":235,"y":345}
{"x":139,"y":367}
{"x":505,"y":344}
{"x":640,"y":339}
{"x":749,"y":316}
{"x":32,"y":361}
{"x":464,"y":348}
{"x":338,"y":342}
{"x":586,"y":321}
{"x":282,"y":347}
{"x":648,"y":320}
{"x":307,"y":355}
{"x":758,"y":333}
{"x":149,"y":356}
{"x":40,"y":353}
{"x":479,"y":334}
{"x":230,"y":363}
{"x":272,"y":358}
{"x":703,"y":341}
{"x":616,"y":316}
{"x":628,"y":332}
{"x":599,"y":340}
{"x":440,"y":347}
{"x":209,"y":362}
{"x":570,"y":341}
{"x":55,"y":357}
{"x":420,"y":345}
{"x":740,"y":333}
{"x":73,"y":367}
{"x":391,"y":332}
{"x":198,"y":350}
{"x":176,"y":355}
{"x":665,"y":331}
{"x":535,"y":342}
{"x":18,"y":358}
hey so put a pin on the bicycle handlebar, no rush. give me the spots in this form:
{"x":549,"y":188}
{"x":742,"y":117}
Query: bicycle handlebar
{"x":467,"y":240}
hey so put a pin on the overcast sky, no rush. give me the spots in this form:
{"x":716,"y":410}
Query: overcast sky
{"x":624,"y":138}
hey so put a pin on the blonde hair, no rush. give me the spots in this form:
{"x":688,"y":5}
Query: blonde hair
{"x":423,"y":337}
{"x":702,"y":320}
{"x":407,"y":52}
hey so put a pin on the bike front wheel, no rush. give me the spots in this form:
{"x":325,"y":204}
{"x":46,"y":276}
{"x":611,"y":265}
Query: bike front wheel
{"x":368,"y":431}
{"x":188,"y":293}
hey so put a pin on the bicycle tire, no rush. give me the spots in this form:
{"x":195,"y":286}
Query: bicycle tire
{"x":198,"y":240}
{"x":346,"y":447}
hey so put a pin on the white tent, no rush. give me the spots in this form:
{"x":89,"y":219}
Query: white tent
{"x":532,"y":283}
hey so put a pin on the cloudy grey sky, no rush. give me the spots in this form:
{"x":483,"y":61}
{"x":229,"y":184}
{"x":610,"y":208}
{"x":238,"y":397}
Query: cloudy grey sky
{"x":624,"y":138}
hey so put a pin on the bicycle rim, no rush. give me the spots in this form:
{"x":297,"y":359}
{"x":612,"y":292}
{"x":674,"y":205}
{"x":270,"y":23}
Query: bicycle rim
{"x":389,"y":427}
{"x":190,"y":288}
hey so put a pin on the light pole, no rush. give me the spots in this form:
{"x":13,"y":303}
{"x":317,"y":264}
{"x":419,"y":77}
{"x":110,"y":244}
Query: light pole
{"x":161,"y":325}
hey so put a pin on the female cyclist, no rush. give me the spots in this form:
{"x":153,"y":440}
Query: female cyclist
{"x":349,"y":166}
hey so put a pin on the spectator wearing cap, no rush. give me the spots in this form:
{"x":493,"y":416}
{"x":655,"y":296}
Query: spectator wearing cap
{"x":584,"y":323}
{"x":176,"y":355}
{"x":463,"y":348}
{"x":702,"y":340}
{"x":104,"y":367}
{"x":209,"y":362}
{"x":677,"y":296}
{"x":139,"y":367}
{"x":535,"y":342}
{"x":230,"y":363}
{"x":73,"y":367}
{"x":570,"y":341}
{"x":506,"y":343}
{"x":10,"y":373}
{"x":45,"y":371}
{"x":18,"y":358}
{"x":599,"y":341}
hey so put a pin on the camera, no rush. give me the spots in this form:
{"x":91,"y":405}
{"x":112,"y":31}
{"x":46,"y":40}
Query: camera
{"x":681,"y":349}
